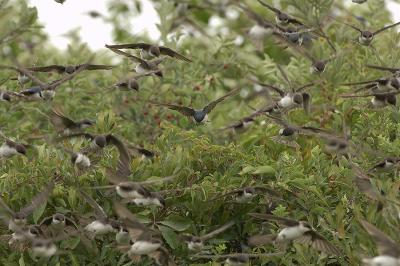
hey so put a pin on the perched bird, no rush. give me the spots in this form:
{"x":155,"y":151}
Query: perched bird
{"x":389,"y":251}
{"x":367,"y":36}
{"x":143,"y":66}
{"x":281,"y":18}
{"x":11,"y":148}
{"x":149,"y":51}
{"x":198,"y":115}
{"x":102,"y":225}
{"x":60,"y":69}
{"x":66,"y":125}
{"x":299,"y":231}
{"x":143,"y":240}
{"x":196,"y":243}
{"x":79,"y":159}
{"x":57,"y":224}
{"x":18,"y":220}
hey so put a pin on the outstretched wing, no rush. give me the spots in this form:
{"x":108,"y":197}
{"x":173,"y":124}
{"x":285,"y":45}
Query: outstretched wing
{"x":208,"y":108}
{"x":38,"y":200}
{"x":168,"y":51}
{"x":386,"y":28}
{"x":50,"y":68}
{"x":187,"y":111}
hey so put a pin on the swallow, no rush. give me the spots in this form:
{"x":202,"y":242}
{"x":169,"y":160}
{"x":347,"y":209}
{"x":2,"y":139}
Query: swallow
{"x":11,"y":148}
{"x":79,"y":159}
{"x":66,"y":125}
{"x":18,"y":220}
{"x":20,"y":239}
{"x":146,"y":154}
{"x":44,"y":247}
{"x":389,"y":251}
{"x":131,"y":83}
{"x":99,"y":142}
{"x":5,"y":96}
{"x":198,"y":115}
{"x":395,"y":71}
{"x":44,"y":91}
{"x":196,"y":243}
{"x":133,"y":192}
{"x":386,"y":164}
{"x":56,"y":224}
{"x":143,"y":240}
{"x":298,"y":231}
{"x":149,"y":51}
{"x":359,"y":1}
{"x":295,"y":35}
{"x":364,"y":185}
{"x":295,"y":98}
{"x":240,"y":125}
{"x":143,"y":66}
{"x":246,"y":194}
{"x":60,"y":69}
{"x":288,"y":132}
{"x":281,"y":18}
{"x":102,"y":224}
{"x":392,"y":83}
{"x":367,"y":36}
{"x":379,"y":100}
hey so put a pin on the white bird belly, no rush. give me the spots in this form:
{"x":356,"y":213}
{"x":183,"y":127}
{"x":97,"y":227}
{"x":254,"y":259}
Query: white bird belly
{"x":82,"y":161}
{"x":99,"y":228}
{"x":286,"y":102}
{"x":140,"y":70}
{"x":144,"y":247}
{"x":6,"y":151}
{"x":146,"y":201}
{"x":128,"y":195}
{"x":44,"y":251}
{"x":382,"y":261}
{"x":290,"y":233}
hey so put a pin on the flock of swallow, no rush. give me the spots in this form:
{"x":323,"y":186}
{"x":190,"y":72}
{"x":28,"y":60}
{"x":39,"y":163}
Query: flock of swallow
{"x":136,"y":239}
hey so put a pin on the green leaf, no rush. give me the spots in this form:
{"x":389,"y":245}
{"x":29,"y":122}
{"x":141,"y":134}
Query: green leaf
{"x":264,"y":170}
{"x":21,"y":260}
{"x":247,"y":170}
{"x":178,"y":223}
{"x":169,"y":235}
{"x":70,"y":243}
{"x":39,"y":212}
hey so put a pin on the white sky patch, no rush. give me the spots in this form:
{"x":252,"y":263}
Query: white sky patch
{"x":59,"y":19}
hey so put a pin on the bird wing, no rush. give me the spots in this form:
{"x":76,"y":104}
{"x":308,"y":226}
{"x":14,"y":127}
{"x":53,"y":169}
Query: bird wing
{"x":53,"y":85}
{"x":39,"y":199}
{"x":50,"y":68}
{"x":128,"y":218}
{"x":259,"y":240}
{"x":139,"y":45}
{"x":390,"y":69}
{"x":208,"y":108}
{"x":95,"y":67}
{"x":135,"y":58}
{"x":187,"y":111}
{"x":98,"y":210}
{"x":281,"y":220}
{"x":124,"y":160}
{"x":386,"y":28}
{"x":385,"y":245}
{"x":114,"y":177}
{"x":363,"y":183}
{"x":4,"y":206}
{"x":318,"y":242}
{"x":273,"y":9}
{"x":58,"y":119}
{"x":77,"y":135}
{"x":218,"y":230}
{"x":168,"y":51}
